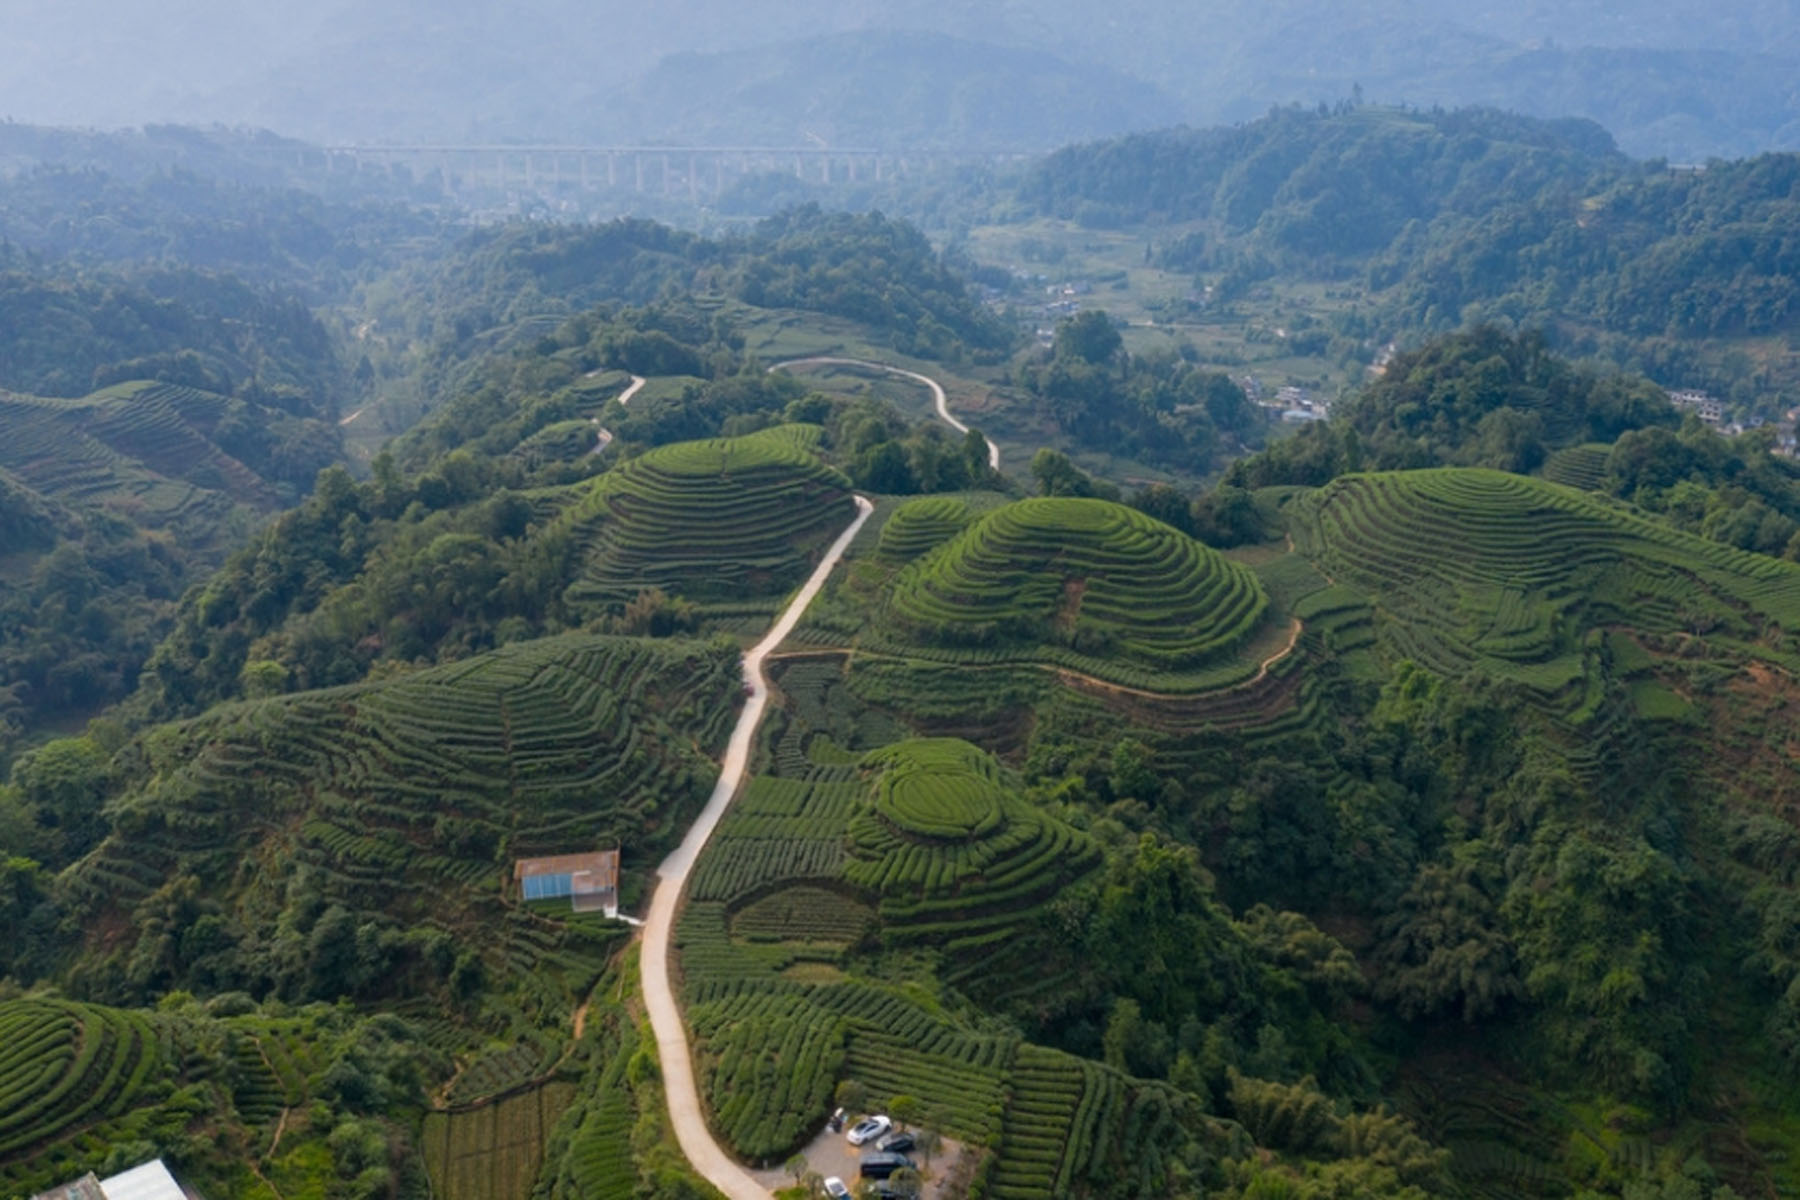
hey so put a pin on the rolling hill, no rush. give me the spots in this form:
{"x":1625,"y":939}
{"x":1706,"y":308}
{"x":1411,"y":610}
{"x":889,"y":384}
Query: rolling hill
{"x":109,"y":505}
{"x":405,"y":802}
{"x":885,"y":90}
{"x":1075,"y":580}
{"x":729,"y":519}
{"x":1512,"y":577}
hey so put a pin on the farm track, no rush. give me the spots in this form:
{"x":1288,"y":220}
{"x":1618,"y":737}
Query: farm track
{"x":605,"y":435}
{"x":1069,"y":674}
{"x":937,"y":391}
{"x":1295,"y":629}
{"x":686,"y":1113}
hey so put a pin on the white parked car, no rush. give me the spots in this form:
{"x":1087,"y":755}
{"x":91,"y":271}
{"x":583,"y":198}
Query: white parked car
{"x":868,"y":1129}
{"x":834,"y":1188}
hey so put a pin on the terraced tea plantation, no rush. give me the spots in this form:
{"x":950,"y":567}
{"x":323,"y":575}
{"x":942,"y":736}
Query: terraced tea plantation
{"x":1475,"y":569}
{"x":495,"y":1150}
{"x":143,"y":450}
{"x":955,"y":859}
{"x":1579,"y":467}
{"x":717,"y":520}
{"x":1092,"y":584}
{"x":839,"y":859}
{"x":76,"y":1079}
{"x":413,"y":796}
{"x":921,"y":525}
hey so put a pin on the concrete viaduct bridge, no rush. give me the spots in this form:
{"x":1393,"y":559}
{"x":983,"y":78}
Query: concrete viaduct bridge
{"x":694,"y":171}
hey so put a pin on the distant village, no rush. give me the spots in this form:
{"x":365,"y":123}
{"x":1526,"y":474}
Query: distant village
{"x":1710,"y":410}
{"x":1293,"y":404}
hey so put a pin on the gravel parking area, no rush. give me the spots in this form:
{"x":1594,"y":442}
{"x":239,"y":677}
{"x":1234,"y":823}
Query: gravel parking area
{"x":831,"y":1154}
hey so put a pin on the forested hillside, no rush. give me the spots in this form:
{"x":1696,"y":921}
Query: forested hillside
{"x":1436,"y":219}
{"x":166,"y":384}
{"x":113,"y":216}
{"x":503,"y":289}
{"x":1342,"y":182}
{"x":66,"y":333}
{"x":148,"y":422}
{"x":113,"y":503}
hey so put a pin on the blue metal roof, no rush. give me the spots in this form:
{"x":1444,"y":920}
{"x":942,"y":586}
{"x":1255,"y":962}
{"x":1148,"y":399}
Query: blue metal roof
{"x":549,"y":887}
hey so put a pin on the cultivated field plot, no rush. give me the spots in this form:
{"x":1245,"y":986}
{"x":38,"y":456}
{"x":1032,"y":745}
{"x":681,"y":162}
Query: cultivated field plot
{"x":600,"y":1164}
{"x":144,"y":450}
{"x":496,"y":1151}
{"x":957,"y":860}
{"x":412,"y":796}
{"x":1087,"y":584}
{"x":1580,"y":467}
{"x":73,"y":1079}
{"x":717,"y":520}
{"x":838,"y":861}
{"x":920,"y":525}
{"x":1511,"y":576}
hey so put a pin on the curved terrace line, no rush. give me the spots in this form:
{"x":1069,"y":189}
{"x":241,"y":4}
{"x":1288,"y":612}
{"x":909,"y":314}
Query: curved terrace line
{"x":1295,"y":628}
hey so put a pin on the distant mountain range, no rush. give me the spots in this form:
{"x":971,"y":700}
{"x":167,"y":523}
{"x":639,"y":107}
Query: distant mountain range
{"x":1672,"y":78}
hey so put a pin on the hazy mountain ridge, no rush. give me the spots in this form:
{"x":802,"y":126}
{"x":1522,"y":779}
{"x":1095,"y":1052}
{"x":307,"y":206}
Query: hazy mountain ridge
{"x":1670,"y":78}
{"x":883,"y":90}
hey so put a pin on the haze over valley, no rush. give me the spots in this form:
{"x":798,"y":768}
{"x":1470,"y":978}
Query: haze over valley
{"x":1671,"y":78}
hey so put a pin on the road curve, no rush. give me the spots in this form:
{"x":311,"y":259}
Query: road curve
{"x":937,"y":392}
{"x":685,"y":1111}
{"x":606,"y":437}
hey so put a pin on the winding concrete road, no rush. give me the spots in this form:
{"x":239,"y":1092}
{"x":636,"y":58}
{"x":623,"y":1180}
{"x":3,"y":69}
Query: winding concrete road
{"x":605,"y":438}
{"x":937,"y":391}
{"x":686,"y":1113}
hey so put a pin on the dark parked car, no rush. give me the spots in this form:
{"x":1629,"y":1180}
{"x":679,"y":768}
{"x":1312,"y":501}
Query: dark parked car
{"x":896,"y":1143}
{"x":880,"y":1166}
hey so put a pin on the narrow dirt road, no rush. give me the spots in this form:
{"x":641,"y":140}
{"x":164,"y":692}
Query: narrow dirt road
{"x":685,"y":1111}
{"x":605,"y":438}
{"x":937,"y":391}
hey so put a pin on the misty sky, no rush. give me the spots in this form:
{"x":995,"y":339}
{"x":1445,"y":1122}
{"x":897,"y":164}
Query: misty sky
{"x":1674,"y":73}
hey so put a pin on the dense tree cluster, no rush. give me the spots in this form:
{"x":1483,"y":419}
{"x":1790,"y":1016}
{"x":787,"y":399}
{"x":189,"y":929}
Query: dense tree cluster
{"x":109,"y":215}
{"x":1457,"y":217}
{"x":882,"y":273}
{"x":1488,"y":399}
{"x":1160,"y":408}
{"x":64,"y":333}
{"x":1321,"y":185}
